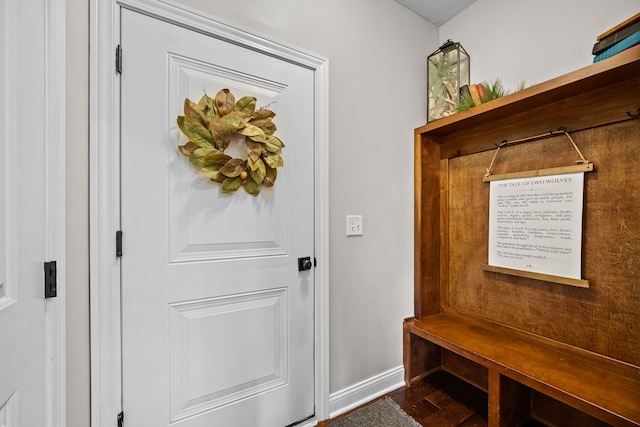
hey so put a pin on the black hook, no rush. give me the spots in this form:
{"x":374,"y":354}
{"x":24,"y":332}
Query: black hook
{"x":630,"y":114}
{"x":502,"y":144}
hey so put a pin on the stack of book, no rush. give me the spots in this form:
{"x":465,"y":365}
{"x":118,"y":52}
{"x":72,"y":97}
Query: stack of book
{"x":619,"y":38}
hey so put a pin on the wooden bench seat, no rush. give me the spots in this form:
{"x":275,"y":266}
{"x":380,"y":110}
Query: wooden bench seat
{"x":512,"y":362}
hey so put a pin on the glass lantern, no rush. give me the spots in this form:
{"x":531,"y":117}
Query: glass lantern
{"x":448,"y":70}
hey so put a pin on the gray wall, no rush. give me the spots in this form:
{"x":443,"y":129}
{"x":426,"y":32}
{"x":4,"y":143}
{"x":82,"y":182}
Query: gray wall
{"x":377,"y":51}
{"x":77,"y":159}
{"x":533,"y":41}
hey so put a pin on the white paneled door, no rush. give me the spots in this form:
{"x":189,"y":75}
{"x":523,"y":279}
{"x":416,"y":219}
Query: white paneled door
{"x":217,"y":321}
{"x":24,"y":215}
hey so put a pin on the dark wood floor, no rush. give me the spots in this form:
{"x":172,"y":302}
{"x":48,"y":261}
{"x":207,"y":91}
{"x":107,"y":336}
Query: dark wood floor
{"x":441,"y":400}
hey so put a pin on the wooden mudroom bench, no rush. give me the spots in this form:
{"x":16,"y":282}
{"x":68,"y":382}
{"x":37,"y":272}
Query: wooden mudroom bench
{"x":561,"y":353}
{"x":516,"y":368}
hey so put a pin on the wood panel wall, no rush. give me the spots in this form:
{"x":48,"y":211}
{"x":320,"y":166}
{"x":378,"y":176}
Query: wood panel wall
{"x":604,"y":318}
{"x":596,"y":105}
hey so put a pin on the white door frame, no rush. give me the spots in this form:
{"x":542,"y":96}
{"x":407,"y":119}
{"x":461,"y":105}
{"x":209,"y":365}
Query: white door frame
{"x":54,"y":107}
{"x":106,"y":387}
{"x":55,"y":208}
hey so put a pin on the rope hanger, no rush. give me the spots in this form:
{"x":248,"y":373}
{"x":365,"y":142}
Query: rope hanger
{"x":560,"y":131}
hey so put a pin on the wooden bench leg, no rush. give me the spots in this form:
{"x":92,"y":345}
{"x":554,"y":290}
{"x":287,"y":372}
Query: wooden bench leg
{"x":509,"y":401}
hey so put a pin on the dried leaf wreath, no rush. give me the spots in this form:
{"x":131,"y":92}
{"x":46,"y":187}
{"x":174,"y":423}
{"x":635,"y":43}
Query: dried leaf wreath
{"x":209,"y":125}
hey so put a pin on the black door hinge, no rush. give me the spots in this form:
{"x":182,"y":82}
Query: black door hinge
{"x":118,"y":59}
{"x":118,"y":243}
{"x":121,"y":419}
{"x":50,"y":280}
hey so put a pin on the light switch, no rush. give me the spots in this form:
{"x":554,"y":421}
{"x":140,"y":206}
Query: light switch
{"x":354,"y":225}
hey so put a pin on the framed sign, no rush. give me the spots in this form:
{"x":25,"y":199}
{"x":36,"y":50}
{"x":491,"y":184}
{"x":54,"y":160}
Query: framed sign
{"x":535,"y":225}
{"x":535,"y":219}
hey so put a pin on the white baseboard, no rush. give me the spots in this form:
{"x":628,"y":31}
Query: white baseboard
{"x":365,"y":391}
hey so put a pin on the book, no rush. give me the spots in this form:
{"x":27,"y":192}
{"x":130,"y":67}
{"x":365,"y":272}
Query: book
{"x":625,"y":44}
{"x":481,"y":93}
{"x":614,"y":38}
{"x":635,"y":18}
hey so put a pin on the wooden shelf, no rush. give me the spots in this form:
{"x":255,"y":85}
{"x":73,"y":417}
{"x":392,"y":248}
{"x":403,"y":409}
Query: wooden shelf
{"x":562,"y":354}
{"x":566,"y":101}
{"x":617,"y":68}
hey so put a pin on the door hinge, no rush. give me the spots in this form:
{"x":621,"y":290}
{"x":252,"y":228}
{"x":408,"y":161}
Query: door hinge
{"x":50,"y":280}
{"x":121,"y":419}
{"x":118,"y":243}
{"x":119,"y":59}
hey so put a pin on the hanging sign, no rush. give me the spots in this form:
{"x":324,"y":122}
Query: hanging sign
{"x":535,"y":225}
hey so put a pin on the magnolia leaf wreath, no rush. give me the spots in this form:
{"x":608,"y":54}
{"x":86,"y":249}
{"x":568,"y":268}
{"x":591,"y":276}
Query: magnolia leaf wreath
{"x":212,"y":122}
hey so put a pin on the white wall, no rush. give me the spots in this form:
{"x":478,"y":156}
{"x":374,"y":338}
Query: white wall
{"x":533,"y":41}
{"x":377,"y":51}
{"x":77,"y":206}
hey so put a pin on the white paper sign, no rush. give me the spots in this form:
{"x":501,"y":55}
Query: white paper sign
{"x":535,"y":224}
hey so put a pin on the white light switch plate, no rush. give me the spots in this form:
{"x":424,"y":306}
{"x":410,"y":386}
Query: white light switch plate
{"x":354,"y":225}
